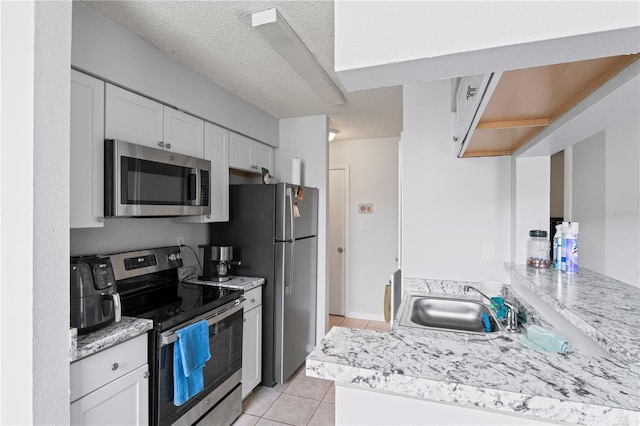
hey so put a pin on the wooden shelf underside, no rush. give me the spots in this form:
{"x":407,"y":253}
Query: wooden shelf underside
{"x":526,"y":101}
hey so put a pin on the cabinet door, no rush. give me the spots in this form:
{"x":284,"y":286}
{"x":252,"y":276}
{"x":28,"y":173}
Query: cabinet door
{"x":87,"y":140}
{"x":132,"y":118}
{"x":251,"y":350}
{"x":241,"y":153}
{"x":217,"y":144}
{"x":216,"y":150}
{"x":263,"y":157}
{"x":183,"y":133}
{"x":124,"y":401}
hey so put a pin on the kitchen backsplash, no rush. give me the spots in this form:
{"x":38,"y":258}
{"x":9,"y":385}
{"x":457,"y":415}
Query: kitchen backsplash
{"x":131,"y":234}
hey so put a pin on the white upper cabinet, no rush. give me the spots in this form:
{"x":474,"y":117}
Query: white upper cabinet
{"x":133,"y":118}
{"x":183,"y":133}
{"x":263,"y":156}
{"x":249,"y":155}
{"x":136,"y":119}
{"x":87,"y":153}
{"x":469,"y":96}
{"x":216,"y":150}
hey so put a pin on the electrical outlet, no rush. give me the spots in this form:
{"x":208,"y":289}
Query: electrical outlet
{"x":180,"y":241}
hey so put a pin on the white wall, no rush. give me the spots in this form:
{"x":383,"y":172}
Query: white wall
{"x":306,"y":138}
{"x":373,"y":167}
{"x":429,"y":40}
{"x":133,"y":234}
{"x":34,"y":307}
{"x":588,"y":201}
{"x":605,"y":195}
{"x":455,"y":212}
{"x":106,"y":50}
{"x":530,"y":202}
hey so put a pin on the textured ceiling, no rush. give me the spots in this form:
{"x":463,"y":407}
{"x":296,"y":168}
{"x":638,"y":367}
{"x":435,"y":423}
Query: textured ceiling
{"x":216,"y":39}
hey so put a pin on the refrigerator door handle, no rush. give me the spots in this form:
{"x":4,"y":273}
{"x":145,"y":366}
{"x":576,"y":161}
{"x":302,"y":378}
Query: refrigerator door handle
{"x":292,"y":233}
{"x":289,"y":288}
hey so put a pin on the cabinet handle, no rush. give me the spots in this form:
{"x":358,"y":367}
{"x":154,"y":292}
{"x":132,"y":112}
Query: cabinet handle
{"x":115,"y":366}
{"x":208,"y":216}
{"x":254,"y":167}
{"x":146,"y":375}
{"x":455,"y":139}
{"x":471,"y":91}
{"x":244,"y":320}
{"x":253,"y":300}
{"x":168,"y":146}
{"x":161,"y":144}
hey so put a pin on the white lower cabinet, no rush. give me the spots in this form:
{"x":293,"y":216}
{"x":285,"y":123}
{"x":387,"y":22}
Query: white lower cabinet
{"x":112,"y":386}
{"x":252,"y":341}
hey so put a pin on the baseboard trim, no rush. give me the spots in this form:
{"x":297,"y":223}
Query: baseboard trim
{"x":365,"y":316}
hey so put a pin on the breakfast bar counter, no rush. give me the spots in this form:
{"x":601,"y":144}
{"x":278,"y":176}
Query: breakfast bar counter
{"x":472,"y":373}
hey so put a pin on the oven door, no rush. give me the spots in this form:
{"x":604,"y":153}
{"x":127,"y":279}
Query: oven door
{"x":222,"y":373}
{"x":143,"y":181}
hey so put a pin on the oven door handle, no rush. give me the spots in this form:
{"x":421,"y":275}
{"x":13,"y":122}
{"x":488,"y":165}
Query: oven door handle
{"x":218,"y":315}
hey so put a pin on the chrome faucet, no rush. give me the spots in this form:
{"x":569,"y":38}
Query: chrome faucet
{"x":512,"y":313}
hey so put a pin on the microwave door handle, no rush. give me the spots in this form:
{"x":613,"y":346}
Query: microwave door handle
{"x":192,"y":183}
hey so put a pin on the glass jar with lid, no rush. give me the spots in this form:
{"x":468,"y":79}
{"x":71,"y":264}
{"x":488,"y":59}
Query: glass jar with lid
{"x":538,"y":249}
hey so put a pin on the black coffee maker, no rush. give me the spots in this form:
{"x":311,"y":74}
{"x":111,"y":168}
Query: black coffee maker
{"x":94,"y":299}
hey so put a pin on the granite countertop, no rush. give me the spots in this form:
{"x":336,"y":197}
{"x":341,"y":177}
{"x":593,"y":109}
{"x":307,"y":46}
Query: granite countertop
{"x":605,"y":309}
{"x":239,"y":283}
{"x":110,"y":335}
{"x":475,"y":372}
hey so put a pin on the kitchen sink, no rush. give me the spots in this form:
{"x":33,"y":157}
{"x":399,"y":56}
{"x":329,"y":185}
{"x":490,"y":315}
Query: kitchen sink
{"x":447,"y":314}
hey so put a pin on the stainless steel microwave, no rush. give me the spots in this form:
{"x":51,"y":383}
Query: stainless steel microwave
{"x":140,"y":181}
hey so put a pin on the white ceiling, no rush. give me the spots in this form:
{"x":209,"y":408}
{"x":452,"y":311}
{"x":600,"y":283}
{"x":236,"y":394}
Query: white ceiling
{"x":216,"y":39}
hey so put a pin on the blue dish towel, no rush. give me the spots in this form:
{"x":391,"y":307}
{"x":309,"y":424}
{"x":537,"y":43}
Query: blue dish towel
{"x":543,"y":340}
{"x":190,"y":352}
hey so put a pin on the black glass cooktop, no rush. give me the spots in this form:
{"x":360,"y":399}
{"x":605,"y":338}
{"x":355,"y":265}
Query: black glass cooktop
{"x":169,"y":303}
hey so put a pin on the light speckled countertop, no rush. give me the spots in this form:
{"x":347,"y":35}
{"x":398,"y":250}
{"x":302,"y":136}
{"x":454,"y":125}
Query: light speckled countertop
{"x":575,"y":388}
{"x":239,"y":283}
{"x":110,"y":335}
{"x":605,"y":309}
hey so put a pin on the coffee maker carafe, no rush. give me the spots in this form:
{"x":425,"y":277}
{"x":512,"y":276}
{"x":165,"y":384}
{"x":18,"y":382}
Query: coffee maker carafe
{"x":217,"y":262}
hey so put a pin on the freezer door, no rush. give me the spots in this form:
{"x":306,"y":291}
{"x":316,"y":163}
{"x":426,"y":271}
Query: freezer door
{"x":295,"y":305}
{"x":296,"y":212}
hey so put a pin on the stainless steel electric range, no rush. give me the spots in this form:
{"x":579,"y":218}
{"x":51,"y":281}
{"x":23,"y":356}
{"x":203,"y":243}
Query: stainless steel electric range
{"x":147,"y":281}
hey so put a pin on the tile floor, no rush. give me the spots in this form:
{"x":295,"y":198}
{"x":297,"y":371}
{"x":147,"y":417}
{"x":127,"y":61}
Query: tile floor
{"x":302,"y":400}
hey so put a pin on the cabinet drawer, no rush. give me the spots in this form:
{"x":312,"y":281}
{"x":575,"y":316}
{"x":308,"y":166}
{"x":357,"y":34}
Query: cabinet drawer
{"x":97,"y":370}
{"x":254,"y":298}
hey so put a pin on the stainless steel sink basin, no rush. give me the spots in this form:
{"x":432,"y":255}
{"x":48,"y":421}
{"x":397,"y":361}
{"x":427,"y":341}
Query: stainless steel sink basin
{"x":449,"y":314}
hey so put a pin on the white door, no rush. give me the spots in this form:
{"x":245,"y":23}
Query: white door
{"x":338,"y":205}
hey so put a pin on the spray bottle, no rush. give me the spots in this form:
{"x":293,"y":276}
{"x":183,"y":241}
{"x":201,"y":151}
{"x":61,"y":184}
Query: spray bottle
{"x":563,"y":246}
{"x":557,"y":247}
{"x":570,"y":241}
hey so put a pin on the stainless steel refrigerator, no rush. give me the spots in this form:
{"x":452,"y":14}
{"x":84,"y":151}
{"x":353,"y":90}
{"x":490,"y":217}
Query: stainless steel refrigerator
{"x":273,"y":230}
